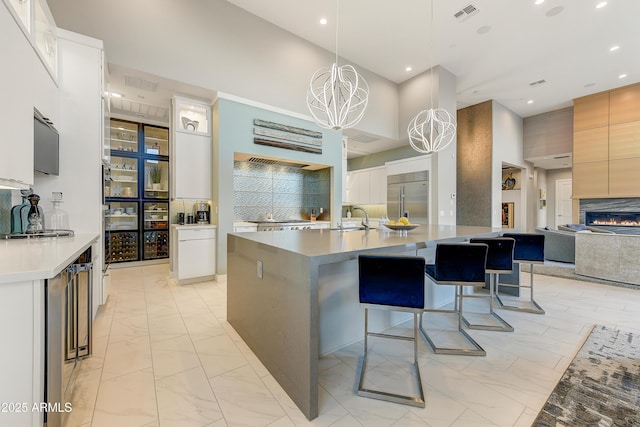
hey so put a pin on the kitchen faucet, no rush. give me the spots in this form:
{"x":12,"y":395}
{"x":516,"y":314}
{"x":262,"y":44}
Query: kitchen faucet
{"x":365,"y":223}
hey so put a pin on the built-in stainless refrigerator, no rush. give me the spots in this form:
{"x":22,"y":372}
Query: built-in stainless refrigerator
{"x":408,"y":195}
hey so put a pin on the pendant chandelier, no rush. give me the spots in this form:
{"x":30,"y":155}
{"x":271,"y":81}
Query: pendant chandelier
{"x":434,"y":129}
{"x":337,"y":95}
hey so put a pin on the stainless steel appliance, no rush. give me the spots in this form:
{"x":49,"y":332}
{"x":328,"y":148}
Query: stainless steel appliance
{"x":290,"y":224}
{"x":408,"y":195}
{"x":202,"y":212}
{"x":68,"y":314}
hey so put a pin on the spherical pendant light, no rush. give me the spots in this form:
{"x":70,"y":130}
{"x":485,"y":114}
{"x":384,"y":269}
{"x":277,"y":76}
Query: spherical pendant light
{"x":431,"y":130}
{"x":337,"y":97}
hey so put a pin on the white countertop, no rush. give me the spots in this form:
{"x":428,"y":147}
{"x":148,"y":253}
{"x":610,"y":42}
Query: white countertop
{"x":192,"y":226}
{"x":36,"y":259}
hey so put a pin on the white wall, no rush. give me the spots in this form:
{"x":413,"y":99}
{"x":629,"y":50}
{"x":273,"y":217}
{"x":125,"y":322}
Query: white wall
{"x":507,"y":147}
{"x":218,"y":46}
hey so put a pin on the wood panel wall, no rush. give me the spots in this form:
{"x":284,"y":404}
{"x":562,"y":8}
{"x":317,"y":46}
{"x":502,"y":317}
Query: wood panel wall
{"x":606,"y":144}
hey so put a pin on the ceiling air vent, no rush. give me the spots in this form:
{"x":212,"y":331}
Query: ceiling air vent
{"x":139,"y":83}
{"x":362,"y":138}
{"x":276,"y":162}
{"x":465,"y":13}
{"x":537,"y":83}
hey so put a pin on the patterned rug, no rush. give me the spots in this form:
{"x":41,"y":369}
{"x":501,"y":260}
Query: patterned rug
{"x":601,"y":386}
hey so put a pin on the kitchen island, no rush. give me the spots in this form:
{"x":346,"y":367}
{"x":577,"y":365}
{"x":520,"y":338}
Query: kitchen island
{"x":25,"y":265}
{"x":293,"y":295}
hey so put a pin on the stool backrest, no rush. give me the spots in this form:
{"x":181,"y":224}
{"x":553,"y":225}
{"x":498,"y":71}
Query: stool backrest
{"x":461,"y":262}
{"x":529,"y":246}
{"x":500,"y":255}
{"x":391,"y":280}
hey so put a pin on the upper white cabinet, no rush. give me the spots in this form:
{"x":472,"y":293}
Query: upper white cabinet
{"x":368,"y":186}
{"x":16,"y":105}
{"x":46,"y":39}
{"x":22,"y":10}
{"x":191,"y":150}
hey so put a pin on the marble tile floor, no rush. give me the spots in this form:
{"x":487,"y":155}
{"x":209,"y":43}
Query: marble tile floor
{"x":164,"y":355}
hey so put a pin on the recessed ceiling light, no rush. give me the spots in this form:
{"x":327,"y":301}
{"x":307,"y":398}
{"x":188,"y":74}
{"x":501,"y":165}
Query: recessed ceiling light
{"x":484,"y":30}
{"x":116,"y":95}
{"x":323,"y":21}
{"x":553,"y":12}
{"x":601,"y":5}
{"x":408,"y":69}
{"x":622,"y":76}
{"x":539,"y":2}
{"x":614,"y":48}
{"x":530,"y":101}
{"x":589,"y":85}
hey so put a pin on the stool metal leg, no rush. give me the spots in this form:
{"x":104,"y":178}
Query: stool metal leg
{"x":476,"y":349}
{"x":533,"y":308}
{"x":417,"y":401}
{"x":501,"y":325}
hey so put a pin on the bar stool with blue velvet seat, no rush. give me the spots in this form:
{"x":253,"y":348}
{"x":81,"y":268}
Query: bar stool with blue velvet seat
{"x":395,"y":283}
{"x":499,"y":261}
{"x":459,"y":265}
{"x":529,"y":249}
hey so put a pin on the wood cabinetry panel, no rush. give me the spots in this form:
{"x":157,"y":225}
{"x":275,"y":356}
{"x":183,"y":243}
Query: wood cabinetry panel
{"x":591,"y":145}
{"x":591,"y":111}
{"x":625,"y":104}
{"x":624,"y":177}
{"x":624,"y":140}
{"x":591,"y":179}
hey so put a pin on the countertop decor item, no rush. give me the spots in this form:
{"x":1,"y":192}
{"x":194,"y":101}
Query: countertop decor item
{"x":337,"y":96}
{"x":433,"y":129}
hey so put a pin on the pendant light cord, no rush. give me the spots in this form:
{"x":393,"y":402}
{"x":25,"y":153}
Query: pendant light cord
{"x":337,"y":22}
{"x":431,"y":56}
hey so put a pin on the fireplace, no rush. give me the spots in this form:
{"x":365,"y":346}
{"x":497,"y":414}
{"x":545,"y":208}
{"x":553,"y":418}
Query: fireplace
{"x":619,"y":222}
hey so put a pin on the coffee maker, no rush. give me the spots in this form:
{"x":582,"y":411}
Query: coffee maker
{"x":202,"y":212}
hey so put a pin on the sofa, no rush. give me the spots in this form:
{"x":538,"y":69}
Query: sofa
{"x":559,"y":245}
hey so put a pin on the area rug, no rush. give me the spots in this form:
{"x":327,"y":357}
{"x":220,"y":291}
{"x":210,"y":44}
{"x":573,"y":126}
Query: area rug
{"x":601,"y":386}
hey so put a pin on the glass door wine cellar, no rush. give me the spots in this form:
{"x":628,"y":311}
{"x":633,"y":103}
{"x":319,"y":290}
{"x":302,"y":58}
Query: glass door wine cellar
{"x":138,"y":192}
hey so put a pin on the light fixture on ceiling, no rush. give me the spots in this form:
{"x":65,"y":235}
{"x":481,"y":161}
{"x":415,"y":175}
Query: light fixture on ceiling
{"x":337,"y":96}
{"x":622,"y":76}
{"x":614,"y":48}
{"x":408,"y":69}
{"x":116,"y":95}
{"x":601,"y":5}
{"x":323,"y":21}
{"x":537,"y":2}
{"x":434,"y":129}
{"x":530,"y":101}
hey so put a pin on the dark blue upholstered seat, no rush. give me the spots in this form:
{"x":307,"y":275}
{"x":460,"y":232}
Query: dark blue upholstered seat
{"x":529,"y":249}
{"x":500,"y":255}
{"x":393,"y":283}
{"x":392,"y":280}
{"x":529,"y":246}
{"x":458,"y":262}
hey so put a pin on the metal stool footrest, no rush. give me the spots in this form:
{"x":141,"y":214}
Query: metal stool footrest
{"x":501,"y":325}
{"x":475,"y":350}
{"x":417,"y":401}
{"x":532,"y":307}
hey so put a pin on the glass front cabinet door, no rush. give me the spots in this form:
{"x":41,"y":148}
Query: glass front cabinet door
{"x":156,"y":179}
{"x":156,"y":141}
{"x":124,"y":136}
{"x":124,"y":178}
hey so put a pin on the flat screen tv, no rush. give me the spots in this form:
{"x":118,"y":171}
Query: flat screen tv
{"x":46,"y":145}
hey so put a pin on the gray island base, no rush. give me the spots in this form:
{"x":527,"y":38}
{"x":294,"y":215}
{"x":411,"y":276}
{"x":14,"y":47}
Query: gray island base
{"x":293,"y":296}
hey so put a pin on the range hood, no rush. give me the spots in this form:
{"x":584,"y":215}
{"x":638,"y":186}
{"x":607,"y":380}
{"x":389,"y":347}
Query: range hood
{"x":265,"y":160}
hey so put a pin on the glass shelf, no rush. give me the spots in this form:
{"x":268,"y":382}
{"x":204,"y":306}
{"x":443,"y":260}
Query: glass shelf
{"x":156,"y":140}
{"x":124,"y":135}
{"x":124,"y":178}
{"x":156,"y":216}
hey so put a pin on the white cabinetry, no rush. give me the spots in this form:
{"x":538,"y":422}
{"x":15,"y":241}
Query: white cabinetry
{"x":244,"y":227}
{"x":368,"y":186}
{"x":191,"y":150}
{"x":344,"y":170}
{"x":195,"y":257}
{"x":16,"y":106}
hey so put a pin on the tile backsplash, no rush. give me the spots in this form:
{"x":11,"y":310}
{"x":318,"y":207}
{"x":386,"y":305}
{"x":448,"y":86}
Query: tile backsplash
{"x":285,"y":192}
